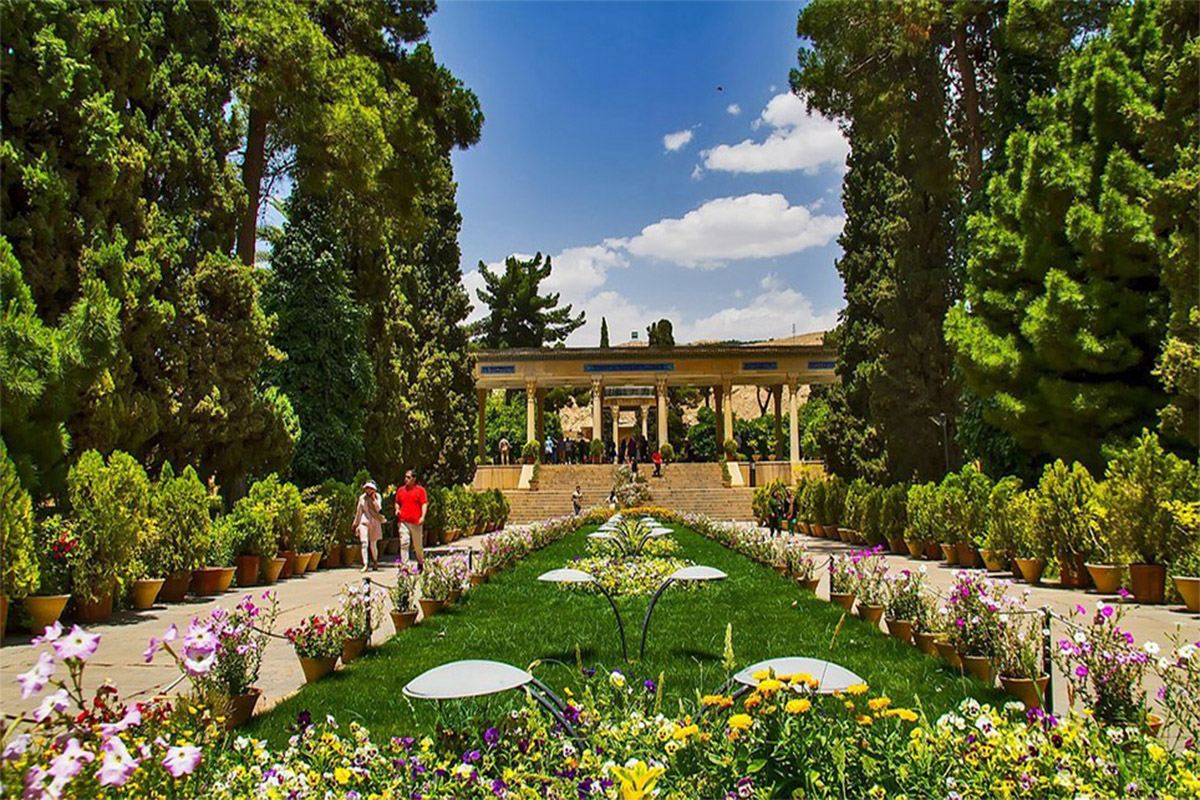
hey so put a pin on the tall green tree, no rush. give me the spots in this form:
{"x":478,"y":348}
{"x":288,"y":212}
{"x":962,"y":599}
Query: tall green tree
{"x":604,"y":333}
{"x":518,"y":314}
{"x":1066,"y":307}
{"x":660,"y":334}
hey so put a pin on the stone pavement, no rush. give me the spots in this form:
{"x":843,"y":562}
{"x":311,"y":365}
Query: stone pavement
{"x":1146,"y":623}
{"x":125,"y":636}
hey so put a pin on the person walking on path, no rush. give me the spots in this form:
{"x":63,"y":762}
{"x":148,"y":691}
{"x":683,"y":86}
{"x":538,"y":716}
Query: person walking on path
{"x":504,"y":450}
{"x":411,"y":505}
{"x":368,"y":524}
{"x":657,"y":464}
{"x":577,"y":499}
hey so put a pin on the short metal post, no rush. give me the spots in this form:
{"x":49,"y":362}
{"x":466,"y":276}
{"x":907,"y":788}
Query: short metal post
{"x":366,"y":585}
{"x":649,"y":611}
{"x":1047,"y":662}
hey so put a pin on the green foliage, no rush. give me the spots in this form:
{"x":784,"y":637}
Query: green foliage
{"x":731,"y":449}
{"x":19,"y":575}
{"x":666,"y":451}
{"x":518,"y":315}
{"x":833,"y":508}
{"x":531,"y":451}
{"x":893,"y":511}
{"x":660,"y":334}
{"x":224,"y":542}
{"x":596,"y":448}
{"x":111,"y":503}
{"x":921,"y":509}
{"x":702,"y":437}
{"x":1002,"y":528}
{"x":813,"y":500}
{"x":1066,"y":510}
{"x":283,"y":508}
{"x":1142,"y":481}
{"x":962,"y":506}
{"x":604,"y":333}
{"x":56,"y":547}
{"x":249,"y":526}
{"x":178,"y":538}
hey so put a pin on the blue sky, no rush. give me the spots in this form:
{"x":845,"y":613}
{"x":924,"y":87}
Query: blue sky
{"x":608,"y":146}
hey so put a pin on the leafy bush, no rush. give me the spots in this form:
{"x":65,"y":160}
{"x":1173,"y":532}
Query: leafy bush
{"x":56,"y":543}
{"x":870,"y":523}
{"x":20,"y":570}
{"x":834,"y":505}
{"x":893,"y":511}
{"x":251,"y":528}
{"x":814,"y":500}
{"x":1066,"y":510}
{"x":731,"y":449}
{"x":667,"y":451}
{"x":283,"y":506}
{"x":111,"y":503}
{"x":223,"y":542}
{"x":596,"y":448}
{"x":1141,"y":481}
{"x":532,"y":451}
{"x":179,"y":536}
{"x":962,"y":506}
{"x":1001,"y":529}
{"x":922,"y":511}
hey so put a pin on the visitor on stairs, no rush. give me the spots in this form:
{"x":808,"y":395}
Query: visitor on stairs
{"x":577,"y":499}
{"x":368,"y":524}
{"x":411,"y":505}
{"x":657,"y":464}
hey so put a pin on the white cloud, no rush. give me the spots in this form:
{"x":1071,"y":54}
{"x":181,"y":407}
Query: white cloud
{"x":623,"y":316}
{"x":769,"y":315}
{"x":471,"y":281}
{"x":734,"y":109}
{"x":578,"y":271}
{"x":729,"y":228}
{"x":697,"y":173}
{"x":676,"y":141}
{"x":798,"y":141}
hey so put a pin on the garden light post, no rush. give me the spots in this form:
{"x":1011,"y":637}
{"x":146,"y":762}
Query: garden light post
{"x":940,"y":421}
{"x":684,"y":575}
{"x":579,"y":576}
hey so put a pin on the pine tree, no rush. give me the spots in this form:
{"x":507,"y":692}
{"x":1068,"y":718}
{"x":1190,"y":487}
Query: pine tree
{"x":604,"y":333}
{"x":518,"y":316}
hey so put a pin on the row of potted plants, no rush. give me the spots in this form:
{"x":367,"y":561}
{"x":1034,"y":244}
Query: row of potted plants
{"x":1140,"y":521}
{"x":459,"y":511}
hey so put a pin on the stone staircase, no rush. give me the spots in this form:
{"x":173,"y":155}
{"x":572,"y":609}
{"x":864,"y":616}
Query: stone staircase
{"x":683,"y":487}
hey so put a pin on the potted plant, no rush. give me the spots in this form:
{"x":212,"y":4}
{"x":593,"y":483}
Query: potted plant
{"x":1141,"y":481}
{"x":843,"y":579}
{"x":151,"y":559}
{"x":179,"y":510}
{"x":925,"y":626}
{"x":239,"y":638}
{"x":835,"y":508}
{"x":403,"y":596}
{"x":921,"y":508}
{"x":110,"y":500}
{"x":56,"y":547}
{"x":893,"y":517}
{"x":1185,"y":565}
{"x":972,"y":611}
{"x":999,"y":538}
{"x":530,"y":452}
{"x":1065,"y":511}
{"x":730,"y":448}
{"x":1019,"y":658}
{"x":317,"y":641}
{"x":905,"y":595}
{"x":18,"y":566}
{"x":1103,"y":667}
{"x":362,"y":612}
{"x":217,"y":576}
{"x":802,"y":567}
{"x":1029,"y":541}
{"x":667,"y":452}
{"x":871,"y":590}
{"x":456,"y":566}
{"x":435,"y":587}
{"x":254,"y":543}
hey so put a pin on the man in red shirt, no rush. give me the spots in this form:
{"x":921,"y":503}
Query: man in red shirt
{"x":411,"y":505}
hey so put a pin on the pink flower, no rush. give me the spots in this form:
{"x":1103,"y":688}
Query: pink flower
{"x":49,"y":635}
{"x":132,"y":718}
{"x":197,"y":667}
{"x":35,"y":783}
{"x":1081,"y":671}
{"x":67,"y":765}
{"x":78,"y":645}
{"x":118,"y":765}
{"x":51,"y":704}
{"x":35,"y":679}
{"x":17,"y":747}
{"x":181,"y":760}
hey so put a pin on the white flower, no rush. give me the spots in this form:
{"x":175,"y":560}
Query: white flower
{"x":1164,"y":663}
{"x":1151,"y":648}
{"x":1080,"y":637}
{"x":1187,"y":651}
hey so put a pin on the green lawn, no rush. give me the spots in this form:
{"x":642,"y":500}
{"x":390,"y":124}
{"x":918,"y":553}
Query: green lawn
{"x":519,"y":620}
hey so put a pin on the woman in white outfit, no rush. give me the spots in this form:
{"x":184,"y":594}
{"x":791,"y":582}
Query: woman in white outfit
{"x":368,"y":524}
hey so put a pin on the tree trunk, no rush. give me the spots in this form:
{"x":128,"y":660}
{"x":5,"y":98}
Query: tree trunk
{"x":253,"y":166}
{"x":970,"y":102}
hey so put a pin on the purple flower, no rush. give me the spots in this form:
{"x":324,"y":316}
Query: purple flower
{"x":491,"y":736}
{"x":132,"y":718}
{"x":649,"y":684}
{"x":499,"y":787}
{"x":1107,"y":611}
{"x":118,"y":765}
{"x":17,"y":747}
{"x":471,"y":757}
{"x":48,"y":635}
{"x":78,"y":645}
{"x":1081,"y":671}
{"x":35,"y":679}
{"x":51,"y":704}
{"x":67,"y":765}
{"x":181,"y":760}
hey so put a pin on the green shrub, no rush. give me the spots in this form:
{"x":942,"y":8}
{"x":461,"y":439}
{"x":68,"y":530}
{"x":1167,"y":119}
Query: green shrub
{"x":178,"y":538}
{"x":731,"y":449}
{"x":921,"y":509}
{"x":870,"y":523}
{"x":834,"y":505}
{"x":1141,"y":480}
{"x":1029,"y":541}
{"x":503,"y":507}
{"x":596,"y":448}
{"x":667,"y":451}
{"x":253,"y":532}
{"x":111,"y":504}
{"x":1186,"y":521}
{"x":56,"y":542}
{"x":1000,"y":528}
{"x":283,"y":506}
{"x":223,"y":542}
{"x":20,"y":568}
{"x":532,"y":451}
{"x":1066,"y":510}
{"x":814,"y":500}
{"x":893,"y":511}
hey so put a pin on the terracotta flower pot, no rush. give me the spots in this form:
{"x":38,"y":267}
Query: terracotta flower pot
{"x":1031,"y":569}
{"x":454,"y":596}
{"x":1189,"y":590}
{"x":353,"y":648}
{"x":993,"y":561}
{"x":145,"y":592}
{"x":289,"y":564}
{"x":1148,"y":582}
{"x":932,"y":551}
{"x":226,"y":579}
{"x":247,"y":571}
{"x":1106,"y":577}
{"x":95,"y":610}
{"x":926,"y":642}
{"x":314,"y":560}
{"x":780,"y":569}
{"x":950,"y":554}
{"x":333,"y":558}
{"x":809,"y":584}
{"x":843,"y":599}
{"x":478,"y":579}
{"x":206,"y":581}
{"x":980,"y":667}
{"x":1073,"y":574}
{"x":1027,"y":690}
{"x":272,"y":568}
{"x":175,"y":587}
{"x":297,"y":564}
{"x":351,"y":555}
{"x":949,"y":654}
{"x":967,"y":555}
{"x":914,"y":548}
{"x":870,"y":614}
{"x":403,"y":619}
{"x":1154,"y":724}
{"x":900,"y":629}
{"x":317,"y":668}
{"x":897,"y":545}
{"x":45,"y":610}
{"x":241,"y":708}
{"x":846,"y":535}
{"x":429,"y":607}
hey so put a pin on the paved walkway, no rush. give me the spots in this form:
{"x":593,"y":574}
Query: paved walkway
{"x":1146,"y":623}
{"x":119,"y":657}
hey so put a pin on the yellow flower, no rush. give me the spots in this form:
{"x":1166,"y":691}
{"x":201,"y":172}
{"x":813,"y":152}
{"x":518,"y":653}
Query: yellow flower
{"x":864,"y":719}
{"x":770,"y":685}
{"x":858,"y":688}
{"x":752,"y":701}
{"x":637,"y":781}
{"x":849,"y":704}
{"x":762,"y":674}
{"x":686,"y":731}
{"x":716,"y":700}
{"x":740,"y":722}
{"x":1156,"y":752}
{"x":906,"y":714}
{"x":798,"y":706}
{"x":341,"y":775}
{"x":878,"y":703}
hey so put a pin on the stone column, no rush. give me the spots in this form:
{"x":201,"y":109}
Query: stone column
{"x":616,"y":430}
{"x":597,"y":409}
{"x":777,"y":392}
{"x":727,"y":390}
{"x":719,"y":414}
{"x":530,"y":411}
{"x":644,"y":413}
{"x":541,"y":417}
{"x":793,"y":392}
{"x":482,"y":394}
{"x":660,"y":386}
